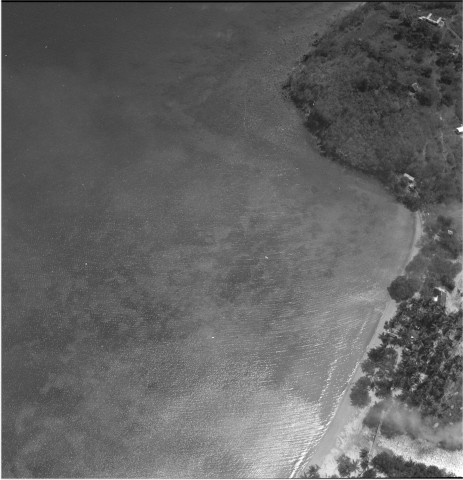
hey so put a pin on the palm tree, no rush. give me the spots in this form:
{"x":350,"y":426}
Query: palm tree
{"x":312,"y":472}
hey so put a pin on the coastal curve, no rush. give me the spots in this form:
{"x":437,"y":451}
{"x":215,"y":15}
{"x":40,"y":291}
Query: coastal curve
{"x":346,"y":417}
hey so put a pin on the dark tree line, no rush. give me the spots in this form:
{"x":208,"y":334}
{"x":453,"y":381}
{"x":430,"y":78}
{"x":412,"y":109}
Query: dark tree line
{"x":388,"y":464}
{"x":428,"y":375}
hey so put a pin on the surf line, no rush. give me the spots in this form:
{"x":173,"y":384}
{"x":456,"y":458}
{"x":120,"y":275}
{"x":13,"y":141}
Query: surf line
{"x":304,"y":454}
{"x":327,"y":384}
{"x":298,"y":463}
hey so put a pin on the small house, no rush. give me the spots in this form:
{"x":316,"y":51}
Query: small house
{"x":423,"y":377}
{"x":440,"y":296}
{"x":411,"y":184}
{"x":439,"y":22}
{"x":459,"y":130}
{"x":415,"y":88}
{"x":454,"y":50}
{"x":412,"y":335}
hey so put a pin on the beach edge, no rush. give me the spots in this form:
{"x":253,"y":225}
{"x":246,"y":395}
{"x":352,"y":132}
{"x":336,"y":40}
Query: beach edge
{"x":345,"y":414}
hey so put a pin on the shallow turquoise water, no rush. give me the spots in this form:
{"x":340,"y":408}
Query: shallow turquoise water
{"x":188,"y":284}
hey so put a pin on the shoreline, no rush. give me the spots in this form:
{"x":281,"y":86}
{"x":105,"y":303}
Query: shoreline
{"x":346,"y":416}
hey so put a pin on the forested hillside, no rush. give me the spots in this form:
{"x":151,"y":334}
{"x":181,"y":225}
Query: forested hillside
{"x":381,"y":91}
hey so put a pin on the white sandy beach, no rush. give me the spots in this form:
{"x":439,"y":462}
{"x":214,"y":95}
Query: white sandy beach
{"x":343,"y":433}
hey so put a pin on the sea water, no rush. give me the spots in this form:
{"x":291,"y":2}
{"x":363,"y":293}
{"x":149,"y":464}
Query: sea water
{"x":188,"y":284}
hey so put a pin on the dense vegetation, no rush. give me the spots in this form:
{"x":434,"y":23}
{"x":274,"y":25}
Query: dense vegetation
{"x":395,"y":466}
{"x":388,"y":464}
{"x":359,"y":394}
{"x":427,"y":377}
{"x":355,"y":90}
{"x":435,"y":265}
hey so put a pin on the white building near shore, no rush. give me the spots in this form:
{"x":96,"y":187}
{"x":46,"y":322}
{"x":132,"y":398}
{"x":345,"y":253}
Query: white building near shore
{"x":439,"y":22}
